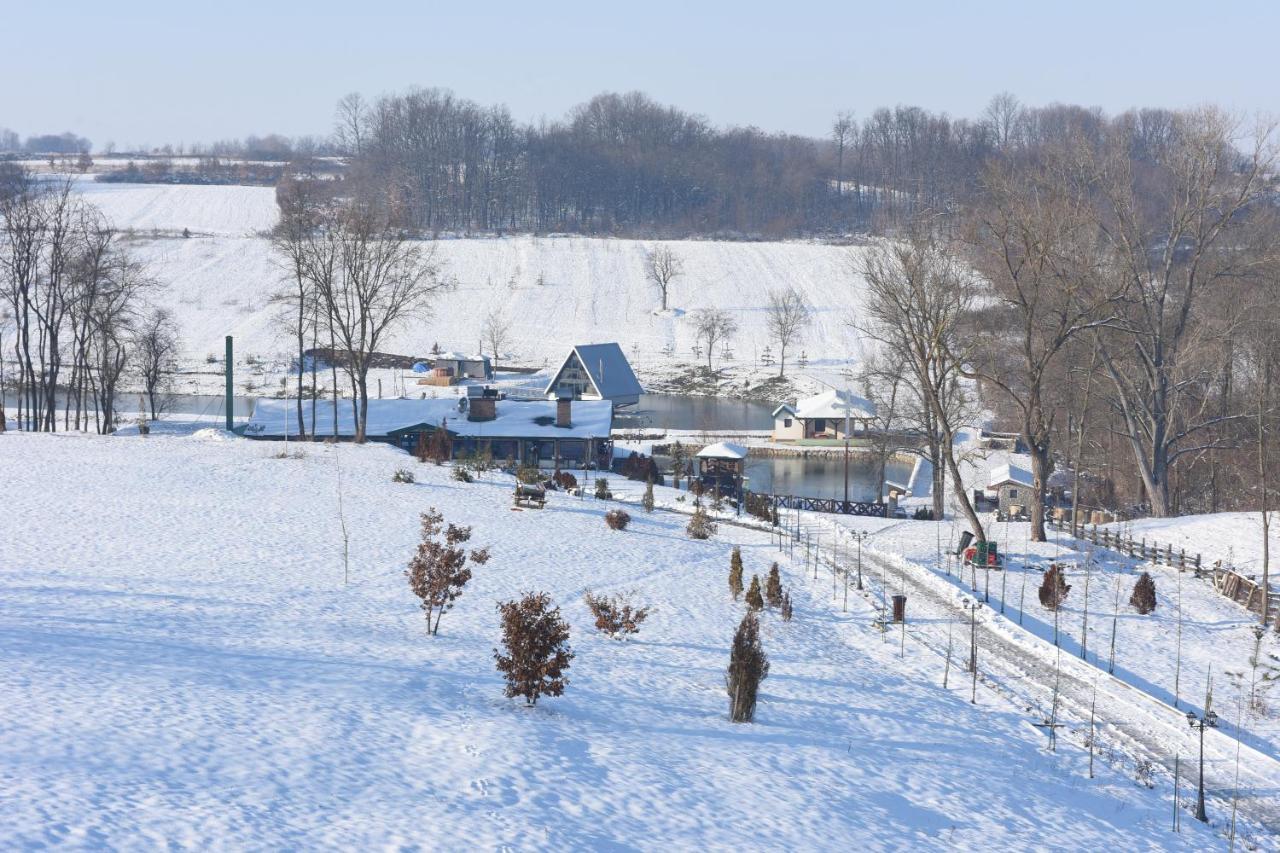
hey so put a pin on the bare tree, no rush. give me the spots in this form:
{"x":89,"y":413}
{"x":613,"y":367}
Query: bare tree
{"x":711,"y":325}
{"x":842,"y":132}
{"x":380,"y":278}
{"x":918,"y":294}
{"x":350,"y":124}
{"x":662,"y":267}
{"x":1033,"y":242}
{"x":1002,"y":116}
{"x":496,"y":332}
{"x":1177,"y":230}
{"x":156,"y":344}
{"x":787,"y":318}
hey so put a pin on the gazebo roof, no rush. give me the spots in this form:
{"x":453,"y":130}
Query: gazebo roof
{"x":723,"y":450}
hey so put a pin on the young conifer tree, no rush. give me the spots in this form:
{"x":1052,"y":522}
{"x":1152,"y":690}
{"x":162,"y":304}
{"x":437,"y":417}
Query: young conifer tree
{"x":748,"y":666}
{"x":773,"y":587}
{"x":755,"y":600}
{"x":735,"y":572}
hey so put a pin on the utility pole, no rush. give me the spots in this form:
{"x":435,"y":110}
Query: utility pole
{"x":1210,"y":719}
{"x":231,"y":399}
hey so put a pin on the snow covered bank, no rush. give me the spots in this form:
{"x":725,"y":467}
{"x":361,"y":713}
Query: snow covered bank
{"x":182,"y":663}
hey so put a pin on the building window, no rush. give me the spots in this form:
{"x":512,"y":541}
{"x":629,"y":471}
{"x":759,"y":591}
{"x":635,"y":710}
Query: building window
{"x":819,"y":425}
{"x":1013,"y":494}
{"x":786,"y":423}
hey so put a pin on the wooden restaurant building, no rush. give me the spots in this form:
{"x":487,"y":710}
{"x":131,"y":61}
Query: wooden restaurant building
{"x":543,"y":432}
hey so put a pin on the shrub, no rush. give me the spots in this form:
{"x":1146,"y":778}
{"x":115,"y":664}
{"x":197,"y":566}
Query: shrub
{"x":462,"y":475}
{"x":755,"y":601}
{"x":1144,"y":594}
{"x":773,"y":587}
{"x":735,"y":572}
{"x":647,"y":500}
{"x":435,"y":447}
{"x":602,"y":489}
{"x":616,"y":615}
{"x":700,"y":526}
{"x":402,"y":475}
{"x":1054,"y":588}
{"x":617,"y":519}
{"x":565,"y":480}
{"x":787,"y":609}
{"x":438,"y":571}
{"x":536,"y":641}
{"x":748,"y":666}
{"x":529,"y":475}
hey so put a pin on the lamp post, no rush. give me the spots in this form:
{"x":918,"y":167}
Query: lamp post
{"x":972,"y":606}
{"x":847,"y":403}
{"x":858,"y":536}
{"x":1209,"y":719}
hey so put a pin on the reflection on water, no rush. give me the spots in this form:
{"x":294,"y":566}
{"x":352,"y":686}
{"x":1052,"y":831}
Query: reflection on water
{"x":822,"y":476}
{"x":675,"y":411}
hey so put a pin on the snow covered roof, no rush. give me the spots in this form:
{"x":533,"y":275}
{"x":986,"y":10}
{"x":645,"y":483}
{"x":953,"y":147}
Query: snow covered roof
{"x":459,"y":356}
{"x":835,"y":404}
{"x":274,"y":418}
{"x":608,"y":369}
{"x":723,"y":450}
{"x":1009,"y":473}
{"x":785,"y":407}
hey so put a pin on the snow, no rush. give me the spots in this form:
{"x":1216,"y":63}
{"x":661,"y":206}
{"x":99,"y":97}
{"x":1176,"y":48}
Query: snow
{"x":723,"y":450}
{"x":588,"y":419}
{"x":1009,"y":473}
{"x":183,"y":665}
{"x":836,"y":403}
{"x":220,"y":282}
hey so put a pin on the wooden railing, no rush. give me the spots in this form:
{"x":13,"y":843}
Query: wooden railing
{"x":1228,"y":580}
{"x":835,"y":506}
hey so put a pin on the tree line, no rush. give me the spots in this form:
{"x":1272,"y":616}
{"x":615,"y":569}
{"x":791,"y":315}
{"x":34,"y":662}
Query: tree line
{"x":73,"y":310}
{"x":1110,"y":296}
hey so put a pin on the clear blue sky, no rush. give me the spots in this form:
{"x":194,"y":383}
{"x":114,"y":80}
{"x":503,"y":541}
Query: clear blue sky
{"x":148,"y":72}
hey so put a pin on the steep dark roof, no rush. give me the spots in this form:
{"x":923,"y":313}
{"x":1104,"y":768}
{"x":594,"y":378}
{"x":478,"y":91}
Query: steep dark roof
{"x":608,"y":369}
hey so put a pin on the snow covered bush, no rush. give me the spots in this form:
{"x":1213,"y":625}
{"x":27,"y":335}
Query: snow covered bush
{"x":462,"y":475}
{"x":1054,"y":588}
{"x":602,"y":489}
{"x":755,"y":600}
{"x":536,"y":641}
{"x":700,"y":526}
{"x":402,"y":475}
{"x":735,"y":572}
{"x":1144,"y":594}
{"x":438,"y":571}
{"x":773,"y":587}
{"x":565,"y":480}
{"x":748,"y":666}
{"x":616,"y":615}
{"x":617,"y":519}
{"x":529,"y":475}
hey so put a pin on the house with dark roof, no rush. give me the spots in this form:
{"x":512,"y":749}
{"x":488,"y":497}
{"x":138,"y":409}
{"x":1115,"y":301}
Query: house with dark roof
{"x":596,"y":372}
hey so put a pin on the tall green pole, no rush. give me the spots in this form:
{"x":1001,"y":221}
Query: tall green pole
{"x":231,"y":404}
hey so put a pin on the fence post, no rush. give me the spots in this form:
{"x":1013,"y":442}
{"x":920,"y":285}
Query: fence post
{"x":1168,"y":556}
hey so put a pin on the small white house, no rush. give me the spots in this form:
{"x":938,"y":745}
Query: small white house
{"x":464,"y":365}
{"x":1014,"y":488}
{"x":823,"y":416}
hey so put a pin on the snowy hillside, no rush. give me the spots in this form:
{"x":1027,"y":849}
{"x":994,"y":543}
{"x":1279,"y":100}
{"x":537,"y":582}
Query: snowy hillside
{"x":555,"y":291}
{"x":183,"y":664}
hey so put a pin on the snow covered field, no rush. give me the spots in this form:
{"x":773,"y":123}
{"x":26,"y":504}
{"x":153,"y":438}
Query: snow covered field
{"x":555,"y":291}
{"x":181,"y":663}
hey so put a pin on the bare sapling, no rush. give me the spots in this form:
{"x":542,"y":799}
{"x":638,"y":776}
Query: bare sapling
{"x":438,"y":571}
{"x":615,"y":615}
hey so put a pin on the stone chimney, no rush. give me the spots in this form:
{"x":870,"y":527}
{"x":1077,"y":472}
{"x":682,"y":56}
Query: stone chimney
{"x":482,"y":409}
{"x":564,"y":412}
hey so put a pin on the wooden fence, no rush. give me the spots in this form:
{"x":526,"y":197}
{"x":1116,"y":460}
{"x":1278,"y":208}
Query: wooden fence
{"x":835,"y":506}
{"x":1228,"y":580}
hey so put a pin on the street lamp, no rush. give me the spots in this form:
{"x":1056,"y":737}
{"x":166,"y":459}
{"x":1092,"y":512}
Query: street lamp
{"x":858,"y":536}
{"x":972,"y":605}
{"x":1209,"y":719}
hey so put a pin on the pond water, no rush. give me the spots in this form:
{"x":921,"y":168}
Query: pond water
{"x":821,"y":476}
{"x":676,"y":411}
